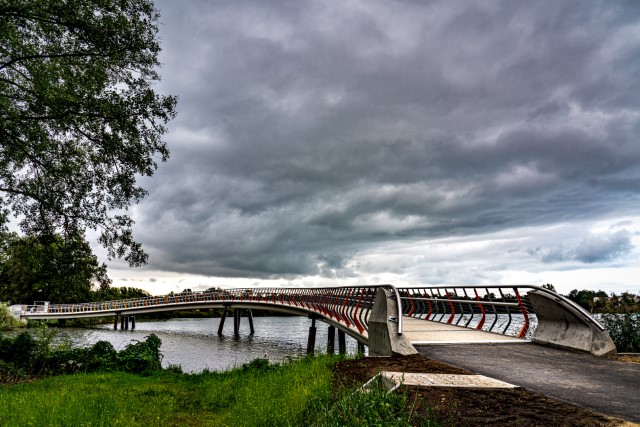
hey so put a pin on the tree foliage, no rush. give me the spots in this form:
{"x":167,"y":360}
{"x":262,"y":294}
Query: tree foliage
{"x":624,"y":330}
{"x":26,"y":356}
{"x":49,"y":268}
{"x":588,"y":299}
{"x":105,"y":293}
{"x":79,"y":118}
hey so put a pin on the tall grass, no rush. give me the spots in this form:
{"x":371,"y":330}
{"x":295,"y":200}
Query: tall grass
{"x":375,"y":407}
{"x":268,"y":396}
{"x":296,"y":393}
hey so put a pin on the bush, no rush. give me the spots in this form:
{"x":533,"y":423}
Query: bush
{"x":26,"y":355}
{"x":624,"y":330}
{"x":141,"y":356}
{"x":101,"y":356}
{"x":7,"y":321}
{"x":19,"y":351}
{"x":259,"y":364}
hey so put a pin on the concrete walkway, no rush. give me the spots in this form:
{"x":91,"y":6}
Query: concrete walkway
{"x":420,"y":331}
{"x":605,"y":385}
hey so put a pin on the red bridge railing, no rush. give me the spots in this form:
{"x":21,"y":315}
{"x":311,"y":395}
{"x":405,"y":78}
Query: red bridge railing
{"x":347,"y":306}
{"x":500,"y":309}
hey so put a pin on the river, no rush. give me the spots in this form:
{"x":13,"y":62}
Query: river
{"x":195,"y":345}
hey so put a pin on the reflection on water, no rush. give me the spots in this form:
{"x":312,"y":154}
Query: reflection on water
{"x":501,"y":323}
{"x":195,"y":345}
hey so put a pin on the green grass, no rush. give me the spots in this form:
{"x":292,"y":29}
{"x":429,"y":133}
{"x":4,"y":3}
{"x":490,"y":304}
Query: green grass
{"x":297,"y":393}
{"x":270,"y":396}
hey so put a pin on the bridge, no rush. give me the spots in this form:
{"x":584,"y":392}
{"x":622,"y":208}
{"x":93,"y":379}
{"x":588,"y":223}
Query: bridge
{"x":387,"y":319}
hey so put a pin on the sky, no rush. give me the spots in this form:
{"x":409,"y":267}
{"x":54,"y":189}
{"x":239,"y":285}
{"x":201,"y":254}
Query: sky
{"x":324,"y":143}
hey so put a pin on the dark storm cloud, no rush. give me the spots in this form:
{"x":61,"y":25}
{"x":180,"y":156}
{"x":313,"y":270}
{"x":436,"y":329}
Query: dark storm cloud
{"x":309,"y":131}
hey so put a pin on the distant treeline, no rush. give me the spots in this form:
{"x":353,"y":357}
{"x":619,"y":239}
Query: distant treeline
{"x":601,"y":302}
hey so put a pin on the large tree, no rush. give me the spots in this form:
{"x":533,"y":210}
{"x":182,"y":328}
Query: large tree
{"x":61,"y":269}
{"x":79,"y":117}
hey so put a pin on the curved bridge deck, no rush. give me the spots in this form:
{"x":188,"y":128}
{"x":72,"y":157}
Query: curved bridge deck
{"x":426,"y":332}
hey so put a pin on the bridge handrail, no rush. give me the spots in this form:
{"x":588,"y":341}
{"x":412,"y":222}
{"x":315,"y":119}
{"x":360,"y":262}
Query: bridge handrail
{"x":447,"y":297}
{"x":345,"y":305}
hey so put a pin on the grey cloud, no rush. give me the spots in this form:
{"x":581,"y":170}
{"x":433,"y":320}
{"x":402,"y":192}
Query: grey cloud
{"x":594,"y":248}
{"x":311,"y":131}
{"x":599,"y":248}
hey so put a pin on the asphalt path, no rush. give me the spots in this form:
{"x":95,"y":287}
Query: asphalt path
{"x":605,"y":385}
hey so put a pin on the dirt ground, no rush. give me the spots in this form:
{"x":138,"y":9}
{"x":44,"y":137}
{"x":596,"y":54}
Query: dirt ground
{"x":470,"y":407}
{"x":632,"y":358}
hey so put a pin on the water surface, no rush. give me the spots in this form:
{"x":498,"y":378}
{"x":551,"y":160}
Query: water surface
{"x":195,"y":345}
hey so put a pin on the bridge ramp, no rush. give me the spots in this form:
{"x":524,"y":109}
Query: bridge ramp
{"x":425,"y":332}
{"x":605,"y":385}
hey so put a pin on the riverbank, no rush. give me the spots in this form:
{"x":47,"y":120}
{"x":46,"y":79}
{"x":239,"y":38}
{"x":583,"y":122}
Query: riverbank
{"x":308,"y":391}
{"x":296,"y":393}
{"x":185,"y":398}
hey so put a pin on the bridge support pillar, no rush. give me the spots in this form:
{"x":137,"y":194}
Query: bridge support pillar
{"x":222,"y":319}
{"x":311,"y":341}
{"x":236,"y":322}
{"x":133,"y":322}
{"x":126,"y":323}
{"x":122,"y":321}
{"x":253,"y":331}
{"x":342,"y":342}
{"x":331,"y":340}
{"x":115,"y":322}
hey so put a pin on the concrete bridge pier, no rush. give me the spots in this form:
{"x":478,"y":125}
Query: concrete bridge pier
{"x":133,"y":322}
{"x":250,"y":316}
{"x":222,"y":319}
{"x":237,"y":317}
{"x":342,"y":342}
{"x":331,"y":340}
{"x":126,"y":322}
{"x":236,"y":322}
{"x":311,"y":341}
{"x":115,"y":322}
{"x":122,"y":322}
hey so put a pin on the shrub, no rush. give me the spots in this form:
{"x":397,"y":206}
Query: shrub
{"x":141,"y":356}
{"x":7,"y":321}
{"x":259,"y":364}
{"x":101,"y":356}
{"x":624,"y":330}
{"x":26,"y":355}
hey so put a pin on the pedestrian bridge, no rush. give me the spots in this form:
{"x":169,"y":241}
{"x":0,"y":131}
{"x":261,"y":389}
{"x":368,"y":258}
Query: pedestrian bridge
{"x":386,"y":318}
